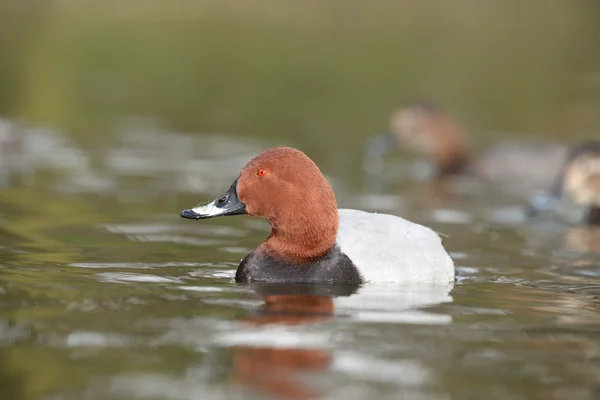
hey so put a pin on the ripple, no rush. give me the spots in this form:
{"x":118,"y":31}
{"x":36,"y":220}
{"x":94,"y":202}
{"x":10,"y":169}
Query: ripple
{"x":196,"y":333}
{"x":458,"y":255}
{"x":98,"y":339}
{"x":134,"y":265}
{"x":507,"y":215}
{"x":156,"y":228}
{"x":399,"y":372}
{"x":451,"y":216}
{"x":407,"y":317}
{"x":176,"y":239}
{"x":201,"y":288}
{"x":119,"y":277}
{"x":235,"y":250}
{"x":274,"y":337}
{"x":213,"y":273}
{"x":160,"y":386}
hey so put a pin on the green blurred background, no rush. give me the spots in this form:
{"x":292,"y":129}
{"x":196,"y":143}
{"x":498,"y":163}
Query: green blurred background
{"x":313,"y":71}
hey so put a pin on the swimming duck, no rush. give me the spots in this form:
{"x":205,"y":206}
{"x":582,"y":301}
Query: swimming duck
{"x":576,"y":193}
{"x":426,"y":128}
{"x":311,"y":241}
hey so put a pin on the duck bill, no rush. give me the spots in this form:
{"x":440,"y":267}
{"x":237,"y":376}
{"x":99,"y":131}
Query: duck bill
{"x":227,"y":204}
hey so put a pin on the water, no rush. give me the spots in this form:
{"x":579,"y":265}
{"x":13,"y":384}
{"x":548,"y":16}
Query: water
{"x":105,"y":293}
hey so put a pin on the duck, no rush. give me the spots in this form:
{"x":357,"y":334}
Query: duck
{"x":426,"y":128}
{"x":575,"y":195}
{"x":312,"y":241}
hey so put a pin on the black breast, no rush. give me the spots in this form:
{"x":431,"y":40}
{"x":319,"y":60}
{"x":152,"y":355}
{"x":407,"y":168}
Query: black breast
{"x":333,"y":267}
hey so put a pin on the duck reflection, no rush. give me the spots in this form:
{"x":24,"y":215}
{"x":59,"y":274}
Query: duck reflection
{"x":583,"y":239}
{"x":273,"y":370}
{"x":577,"y":245}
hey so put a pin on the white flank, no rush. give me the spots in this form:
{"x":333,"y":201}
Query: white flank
{"x":387,"y":248}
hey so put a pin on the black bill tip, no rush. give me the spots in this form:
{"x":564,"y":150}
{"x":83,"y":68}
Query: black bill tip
{"x":190,"y":214}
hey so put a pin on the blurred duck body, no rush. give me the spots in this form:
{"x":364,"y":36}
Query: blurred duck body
{"x":530,"y":164}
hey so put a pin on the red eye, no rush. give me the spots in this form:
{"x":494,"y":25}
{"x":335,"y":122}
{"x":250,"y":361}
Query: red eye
{"x":261,"y":172}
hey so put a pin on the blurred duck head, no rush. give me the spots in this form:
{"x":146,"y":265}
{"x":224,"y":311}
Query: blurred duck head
{"x":581,"y":176}
{"x":578,"y":187}
{"x":423,"y":128}
{"x":581,"y":179}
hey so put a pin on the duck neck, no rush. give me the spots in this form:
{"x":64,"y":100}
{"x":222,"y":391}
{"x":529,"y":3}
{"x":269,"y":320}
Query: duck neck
{"x":451,"y":160}
{"x":453,"y":166}
{"x":302,"y":238}
{"x":450,"y":150}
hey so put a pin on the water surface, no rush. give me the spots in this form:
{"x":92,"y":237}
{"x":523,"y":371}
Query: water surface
{"x":105,"y":293}
{"x":114,"y":116}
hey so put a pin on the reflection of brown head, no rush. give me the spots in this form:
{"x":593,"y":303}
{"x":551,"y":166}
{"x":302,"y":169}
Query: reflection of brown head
{"x":272,"y":370}
{"x":427,"y":129}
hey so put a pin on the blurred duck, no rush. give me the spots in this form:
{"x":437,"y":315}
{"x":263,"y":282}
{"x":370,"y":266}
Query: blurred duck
{"x":424,"y":128}
{"x":427,"y":129}
{"x":576,"y":193}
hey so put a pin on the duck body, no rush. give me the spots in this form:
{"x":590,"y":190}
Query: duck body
{"x":370,"y":247}
{"x":311,"y":241}
{"x":387,"y":248}
{"x":526,"y":165}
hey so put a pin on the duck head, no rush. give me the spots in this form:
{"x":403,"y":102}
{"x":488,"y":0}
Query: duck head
{"x":285,"y":187}
{"x":581,"y":179}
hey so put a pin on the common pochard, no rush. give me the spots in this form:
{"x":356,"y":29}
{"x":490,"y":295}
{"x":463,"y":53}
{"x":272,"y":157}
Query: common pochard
{"x":311,"y":241}
{"x":426,"y":128}
{"x":576,"y":193}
